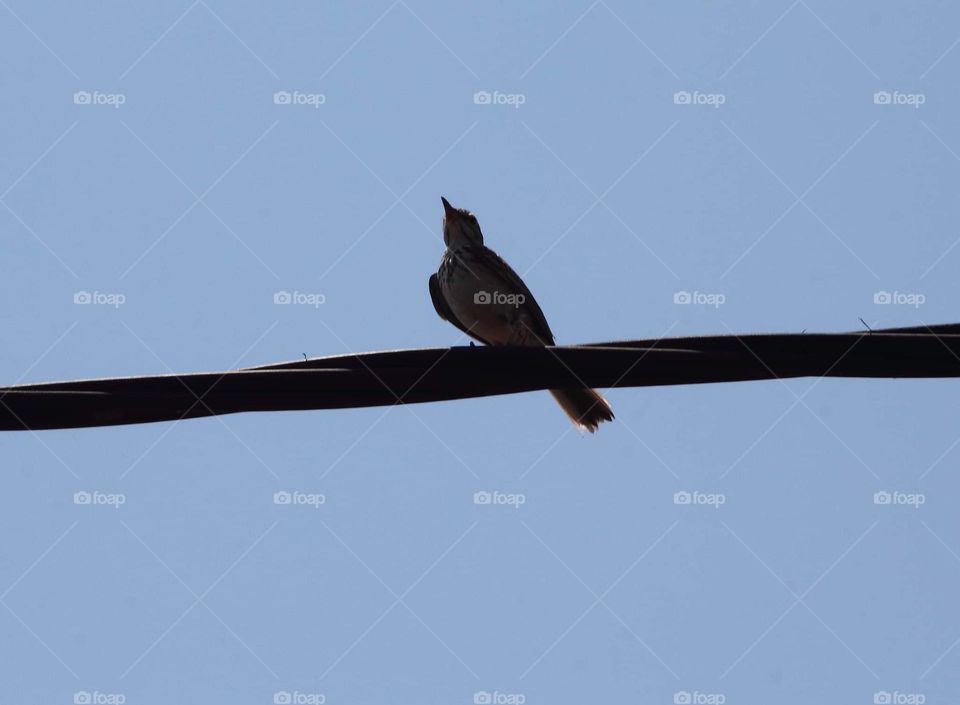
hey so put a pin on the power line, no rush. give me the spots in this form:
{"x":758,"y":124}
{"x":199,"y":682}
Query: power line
{"x":384,"y":378}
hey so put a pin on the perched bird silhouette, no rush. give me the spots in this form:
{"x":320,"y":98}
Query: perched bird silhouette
{"x":480,"y":294}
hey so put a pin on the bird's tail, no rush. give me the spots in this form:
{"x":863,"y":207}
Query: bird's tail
{"x":585,"y":407}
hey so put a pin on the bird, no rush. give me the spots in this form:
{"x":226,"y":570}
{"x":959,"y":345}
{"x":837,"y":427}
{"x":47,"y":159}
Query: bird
{"x":479,"y":293}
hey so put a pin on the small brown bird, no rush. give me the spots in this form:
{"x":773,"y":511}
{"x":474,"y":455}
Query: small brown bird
{"x":480,"y":294}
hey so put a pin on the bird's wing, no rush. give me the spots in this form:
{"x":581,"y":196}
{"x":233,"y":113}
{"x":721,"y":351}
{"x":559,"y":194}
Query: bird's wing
{"x":443,"y":309}
{"x":538,"y":324}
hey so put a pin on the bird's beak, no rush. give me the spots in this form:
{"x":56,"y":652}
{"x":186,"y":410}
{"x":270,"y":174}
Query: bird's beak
{"x":448,"y":210}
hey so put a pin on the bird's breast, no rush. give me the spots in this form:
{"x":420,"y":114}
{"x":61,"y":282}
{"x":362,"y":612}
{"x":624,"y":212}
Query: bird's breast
{"x":486,"y":303}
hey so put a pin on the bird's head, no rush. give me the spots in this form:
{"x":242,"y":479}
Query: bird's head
{"x":460,"y":227}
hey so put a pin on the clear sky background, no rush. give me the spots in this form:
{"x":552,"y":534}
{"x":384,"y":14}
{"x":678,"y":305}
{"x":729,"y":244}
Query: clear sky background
{"x":181,"y":197}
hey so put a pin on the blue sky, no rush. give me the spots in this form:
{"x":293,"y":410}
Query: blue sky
{"x":167,"y":169}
